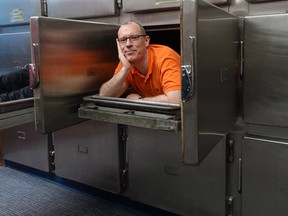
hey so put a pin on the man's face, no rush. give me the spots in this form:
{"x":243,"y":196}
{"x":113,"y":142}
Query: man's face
{"x":133,"y":43}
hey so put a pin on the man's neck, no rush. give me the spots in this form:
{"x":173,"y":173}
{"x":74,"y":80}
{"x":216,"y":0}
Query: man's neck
{"x":142,"y":66}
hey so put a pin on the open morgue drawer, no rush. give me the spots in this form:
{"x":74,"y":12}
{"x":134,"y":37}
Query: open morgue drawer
{"x":145,"y":114}
{"x":17,"y":112}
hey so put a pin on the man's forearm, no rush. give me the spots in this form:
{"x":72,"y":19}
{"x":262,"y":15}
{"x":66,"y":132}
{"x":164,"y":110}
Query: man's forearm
{"x":171,"y":97}
{"x":111,"y":88}
{"x":114,"y":86}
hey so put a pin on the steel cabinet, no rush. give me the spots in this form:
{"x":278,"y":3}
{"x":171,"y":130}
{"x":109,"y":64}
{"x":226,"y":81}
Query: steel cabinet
{"x":23,"y":145}
{"x":264,"y":176}
{"x":158,"y":177}
{"x":265,"y":70}
{"x":262,"y":7}
{"x":264,"y":148}
{"x":72,"y":59}
{"x":83,"y":9}
{"x":139,"y":5}
{"x":209,"y":71}
{"x":89,"y":153}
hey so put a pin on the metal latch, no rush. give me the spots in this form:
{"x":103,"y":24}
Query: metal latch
{"x":188,"y":74}
{"x":44,"y":8}
{"x":33,"y":78}
{"x":242,"y":60}
{"x":188,"y":87}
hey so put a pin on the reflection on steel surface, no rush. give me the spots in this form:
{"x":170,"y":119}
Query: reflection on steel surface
{"x":72,"y":58}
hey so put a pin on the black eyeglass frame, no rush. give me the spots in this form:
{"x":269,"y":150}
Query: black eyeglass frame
{"x":132,"y":38}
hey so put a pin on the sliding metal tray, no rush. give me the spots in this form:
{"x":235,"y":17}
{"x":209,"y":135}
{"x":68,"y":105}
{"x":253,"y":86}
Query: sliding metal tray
{"x":153,"y":115}
{"x":14,"y":105}
{"x":17,"y":112}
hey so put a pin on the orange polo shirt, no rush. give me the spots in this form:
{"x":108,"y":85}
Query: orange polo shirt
{"x":163,"y":72}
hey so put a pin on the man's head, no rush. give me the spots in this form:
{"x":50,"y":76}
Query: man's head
{"x":133,"y":42}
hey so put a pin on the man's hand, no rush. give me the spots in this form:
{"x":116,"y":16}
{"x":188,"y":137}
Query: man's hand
{"x":122,"y":58}
{"x":134,"y":96}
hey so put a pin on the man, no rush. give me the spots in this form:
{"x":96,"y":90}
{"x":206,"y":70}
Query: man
{"x":15,"y":85}
{"x":153,"y":71}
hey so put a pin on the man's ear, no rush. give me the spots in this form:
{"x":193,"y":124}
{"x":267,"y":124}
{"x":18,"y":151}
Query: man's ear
{"x":147,"y":40}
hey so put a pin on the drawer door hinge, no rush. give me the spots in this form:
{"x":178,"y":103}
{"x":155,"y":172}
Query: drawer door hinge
{"x":123,"y":136}
{"x":229,"y":205}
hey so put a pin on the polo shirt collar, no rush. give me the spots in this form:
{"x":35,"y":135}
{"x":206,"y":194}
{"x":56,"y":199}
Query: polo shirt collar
{"x":150,"y":67}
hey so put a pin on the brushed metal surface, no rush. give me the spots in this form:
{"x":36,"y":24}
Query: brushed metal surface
{"x":73,"y":58}
{"x":150,"y":5}
{"x":264,"y":176}
{"x":158,"y":177}
{"x":268,"y":7}
{"x":24,"y":146}
{"x":212,"y":109}
{"x":257,"y":1}
{"x":265,"y":70}
{"x":81,"y":9}
{"x":89,"y":153}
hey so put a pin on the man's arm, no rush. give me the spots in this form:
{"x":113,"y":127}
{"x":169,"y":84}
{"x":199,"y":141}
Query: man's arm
{"x":116,"y":86}
{"x":171,"y":97}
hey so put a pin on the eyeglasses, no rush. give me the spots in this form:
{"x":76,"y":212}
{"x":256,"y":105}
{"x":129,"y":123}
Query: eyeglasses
{"x":132,"y":38}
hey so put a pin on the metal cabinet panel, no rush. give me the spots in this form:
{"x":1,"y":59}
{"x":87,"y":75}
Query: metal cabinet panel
{"x":163,"y":18}
{"x":15,"y":50}
{"x":239,"y":8}
{"x":257,"y":1}
{"x":158,"y":177}
{"x":89,"y":153}
{"x":18,"y":12}
{"x":23,"y":145}
{"x":271,"y":7}
{"x":209,"y":71}
{"x":72,"y":58}
{"x":81,"y":9}
{"x":148,"y":5}
{"x":265,"y":70}
{"x":139,"y":5}
{"x":264,"y":176}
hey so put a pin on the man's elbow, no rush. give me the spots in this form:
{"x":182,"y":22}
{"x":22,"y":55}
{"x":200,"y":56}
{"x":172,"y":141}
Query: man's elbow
{"x":174,"y":97}
{"x":102,"y":91}
{"x":175,"y":101}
